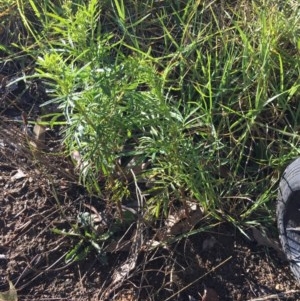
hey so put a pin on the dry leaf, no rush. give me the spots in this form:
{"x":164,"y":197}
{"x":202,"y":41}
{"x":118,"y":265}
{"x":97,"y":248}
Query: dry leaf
{"x":210,"y":295}
{"x":133,"y":167}
{"x":10,"y":295}
{"x":263,"y":240}
{"x":80,"y":164}
{"x":76,"y":157}
{"x":38,"y":135}
{"x":181,"y":221}
{"x":39,"y":131}
{"x":19,"y":175}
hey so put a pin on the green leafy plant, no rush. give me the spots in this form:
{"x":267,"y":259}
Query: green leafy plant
{"x":87,"y":239}
{"x":196,"y":92}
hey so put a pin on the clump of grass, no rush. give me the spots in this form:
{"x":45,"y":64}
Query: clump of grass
{"x":204,"y":94}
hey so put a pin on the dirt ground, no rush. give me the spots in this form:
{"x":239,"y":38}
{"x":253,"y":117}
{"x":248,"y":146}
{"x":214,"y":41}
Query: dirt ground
{"x":39,"y":193}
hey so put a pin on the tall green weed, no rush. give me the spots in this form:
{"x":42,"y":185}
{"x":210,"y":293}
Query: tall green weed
{"x":205,"y":95}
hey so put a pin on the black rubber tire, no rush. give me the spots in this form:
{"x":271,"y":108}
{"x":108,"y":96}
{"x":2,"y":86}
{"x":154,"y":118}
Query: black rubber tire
{"x":288,"y":215}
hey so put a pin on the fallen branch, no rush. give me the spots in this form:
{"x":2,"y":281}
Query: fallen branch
{"x":275,"y":296}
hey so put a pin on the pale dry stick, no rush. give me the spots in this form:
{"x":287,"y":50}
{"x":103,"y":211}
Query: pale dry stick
{"x":29,"y":267}
{"x":143,"y":277}
{"x":126,"y":269}
{"x":45,"y":299}
{"x":294,"y":229}
{"x":275,"y":296}
{"x":24,"y":228}
{"x":190,"y":284}
{"x":26,"y":271}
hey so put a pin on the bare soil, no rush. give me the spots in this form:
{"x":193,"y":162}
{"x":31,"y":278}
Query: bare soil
{"x":39,"y":193}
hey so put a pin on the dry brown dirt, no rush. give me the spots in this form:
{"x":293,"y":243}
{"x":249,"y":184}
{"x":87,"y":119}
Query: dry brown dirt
{"x":39,"y":193}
